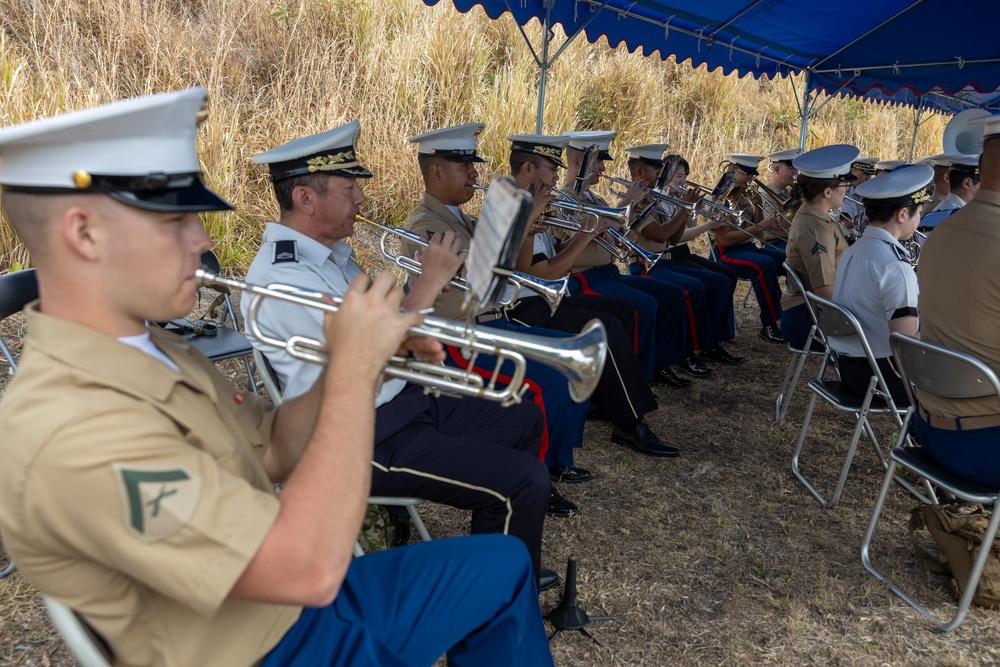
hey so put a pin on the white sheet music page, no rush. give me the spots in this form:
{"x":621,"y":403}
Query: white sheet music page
{"x":501,"y":210}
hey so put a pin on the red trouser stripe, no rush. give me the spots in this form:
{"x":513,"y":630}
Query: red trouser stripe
{"x":635,"y":318}
{"x":690,"y":314}
{"x":760,"y":279}
{"x":536,"y":393}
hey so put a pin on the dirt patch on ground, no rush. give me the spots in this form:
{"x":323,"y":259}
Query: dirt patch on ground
{"x":719,"y":557}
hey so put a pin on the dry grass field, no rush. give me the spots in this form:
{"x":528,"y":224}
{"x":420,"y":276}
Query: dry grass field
{"x":278,"y":69}
{"x":719,"y":557}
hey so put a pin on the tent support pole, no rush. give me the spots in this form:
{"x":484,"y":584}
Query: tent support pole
{"x":543,"y":65}
{"x":916,"y":126}
{"x":805,"y":111}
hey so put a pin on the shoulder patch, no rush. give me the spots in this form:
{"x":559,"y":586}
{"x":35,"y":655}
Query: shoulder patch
{"x":818,"y":249}
{"x":156,"y":502}
{"x":285,"y":251}
{"x":901,"y":254}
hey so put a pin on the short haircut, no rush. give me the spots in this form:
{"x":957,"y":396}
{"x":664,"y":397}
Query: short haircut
{"x":808,"y":188}
{"x":425,"y":162}
{"x":283,"y":188}
{"x":518,"y":158}
{"x":880,"y":214}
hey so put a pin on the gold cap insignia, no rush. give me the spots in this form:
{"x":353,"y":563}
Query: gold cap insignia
{"x":342,"y":160}
{"x":82,"y":179}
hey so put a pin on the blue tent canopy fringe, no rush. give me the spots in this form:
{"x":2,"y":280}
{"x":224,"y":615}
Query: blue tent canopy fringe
{"x":915,"y":52}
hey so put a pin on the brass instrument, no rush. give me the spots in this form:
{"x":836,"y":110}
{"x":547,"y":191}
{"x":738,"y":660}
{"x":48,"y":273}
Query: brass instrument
{"x":579,"y":358}
{"x":669,"y":204}
{"x":716,"y":207}
{"x":551,"y":290}
{"x":767,"y":197}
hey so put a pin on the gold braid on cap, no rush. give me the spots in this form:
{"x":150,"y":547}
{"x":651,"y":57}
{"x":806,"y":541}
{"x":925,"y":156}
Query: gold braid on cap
{"x":548,"y":151}
{"x":333,"y":162}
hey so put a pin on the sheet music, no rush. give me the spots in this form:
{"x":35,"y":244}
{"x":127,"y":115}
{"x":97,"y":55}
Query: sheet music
{"x":502,"y":218}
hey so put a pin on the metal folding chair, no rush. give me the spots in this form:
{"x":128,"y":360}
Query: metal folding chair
{"x":87,"y":646}
{"x":938,"y":370}
{"x":270,"y":382}
{"x":17,"y":290}
{"x":833,"y":321}
{"x":797,"y":360}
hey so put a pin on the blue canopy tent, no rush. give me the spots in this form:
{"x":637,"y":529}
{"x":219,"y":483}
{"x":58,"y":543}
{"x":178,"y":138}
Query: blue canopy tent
{"x":898,"y":49}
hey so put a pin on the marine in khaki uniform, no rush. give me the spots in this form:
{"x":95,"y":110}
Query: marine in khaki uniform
{"x":777,"y":200}
{"x":137,"y":485}
{"x":709,"y":299}
{"x":737,"y":249}
{"x":816,"y":241}
{"x":623,"y":392}
{"x":960,"y":308}
{"x":447,"y":158}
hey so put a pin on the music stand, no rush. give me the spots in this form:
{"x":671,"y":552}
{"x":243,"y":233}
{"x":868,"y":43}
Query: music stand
{"x":568,"y":615}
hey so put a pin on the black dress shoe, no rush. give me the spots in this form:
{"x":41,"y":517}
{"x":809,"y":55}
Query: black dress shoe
{"x":569,"y":474}
{"x":547,"y":579}
{"x":720,"y":355}
{"x":772,"y":334}
{"x":694,"y":366}
{"x":667,"y":377}
{"x":644,"y":441}
{"x":560,"y":507}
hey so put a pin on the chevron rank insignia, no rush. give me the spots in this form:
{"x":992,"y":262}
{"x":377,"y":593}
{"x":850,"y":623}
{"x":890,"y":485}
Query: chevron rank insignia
{"x":818,"y":249}
{"x":156,"y":502}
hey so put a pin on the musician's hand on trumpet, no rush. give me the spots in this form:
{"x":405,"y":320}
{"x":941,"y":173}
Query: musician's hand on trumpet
{"x":369,"y":328}
{"x":441,"y":260}
{"x":636,"y":192}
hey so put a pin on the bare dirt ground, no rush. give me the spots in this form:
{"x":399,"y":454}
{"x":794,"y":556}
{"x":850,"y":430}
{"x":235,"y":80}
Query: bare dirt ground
{"x":719,"y":557}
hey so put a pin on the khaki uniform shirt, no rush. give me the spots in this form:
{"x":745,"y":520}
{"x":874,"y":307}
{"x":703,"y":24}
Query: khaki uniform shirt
{"x":593,"y":255}
{"x":960,"y":294}
{"x":815,"y":245}
{"x":433,"y":216}
{"x":136,"y":495}
{"x":656,"y":218}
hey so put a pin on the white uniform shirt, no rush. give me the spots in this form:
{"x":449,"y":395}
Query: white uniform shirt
{"x":876,"y":282}
{"x":316,"y":268}
{"x":950,"y":202}
{"x":854,"y":209}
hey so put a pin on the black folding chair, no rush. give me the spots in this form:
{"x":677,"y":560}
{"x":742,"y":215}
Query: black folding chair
{"x":940,"y":371}
{"x":218,"y":339}
{"x":17,"y":290}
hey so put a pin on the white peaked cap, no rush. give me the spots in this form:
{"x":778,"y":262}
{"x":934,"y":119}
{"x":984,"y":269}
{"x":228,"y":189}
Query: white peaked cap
{"x":140,"y":151}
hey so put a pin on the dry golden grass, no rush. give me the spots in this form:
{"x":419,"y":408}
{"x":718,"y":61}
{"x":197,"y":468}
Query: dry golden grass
{"x":276,"y":71}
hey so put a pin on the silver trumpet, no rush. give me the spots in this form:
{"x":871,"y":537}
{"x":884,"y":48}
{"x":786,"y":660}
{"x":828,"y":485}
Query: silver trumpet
{"x":552,"y":291}
{"x":669,"y":204}
{"x":580,"y":358}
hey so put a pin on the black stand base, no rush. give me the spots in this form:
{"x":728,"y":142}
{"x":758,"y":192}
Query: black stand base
{"x":568,"y":615}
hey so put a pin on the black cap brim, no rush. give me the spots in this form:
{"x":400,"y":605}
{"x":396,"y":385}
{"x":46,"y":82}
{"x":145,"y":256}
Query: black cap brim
{"x":604,"y":155}
{"x":194,"y":199}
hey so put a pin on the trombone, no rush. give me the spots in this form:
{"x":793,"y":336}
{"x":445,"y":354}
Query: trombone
{"x":552,"y":291}
{"x":580,"y":358}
